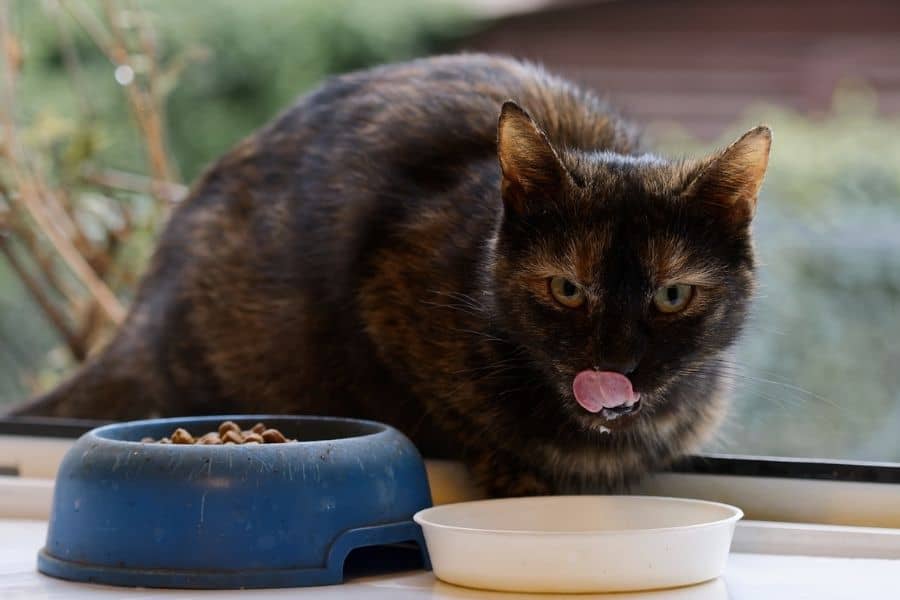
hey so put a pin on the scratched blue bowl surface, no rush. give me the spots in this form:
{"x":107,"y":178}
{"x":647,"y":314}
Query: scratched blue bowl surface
{"x":271,"y":515}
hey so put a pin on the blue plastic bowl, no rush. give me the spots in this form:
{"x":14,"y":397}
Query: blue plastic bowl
{"x":231,"y":516}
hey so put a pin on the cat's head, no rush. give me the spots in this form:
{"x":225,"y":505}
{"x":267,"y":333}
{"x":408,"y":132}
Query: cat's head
{"x":623,"y":277}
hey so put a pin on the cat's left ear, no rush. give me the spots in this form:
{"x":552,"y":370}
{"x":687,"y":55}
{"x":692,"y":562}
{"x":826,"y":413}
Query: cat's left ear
{"x":532,"y":172}
{"x":731,"y":179}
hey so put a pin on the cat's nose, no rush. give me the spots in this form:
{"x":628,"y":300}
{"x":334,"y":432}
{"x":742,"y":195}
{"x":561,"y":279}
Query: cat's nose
{"x":625,"y":366}
{"x":620,"y":345}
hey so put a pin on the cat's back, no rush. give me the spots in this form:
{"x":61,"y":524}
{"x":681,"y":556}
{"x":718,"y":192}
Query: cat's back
{"x":445,"y":104}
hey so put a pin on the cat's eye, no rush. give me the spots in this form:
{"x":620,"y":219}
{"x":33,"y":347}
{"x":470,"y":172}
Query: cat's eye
{"x":673,"y":298}
{"x":566,"y":292}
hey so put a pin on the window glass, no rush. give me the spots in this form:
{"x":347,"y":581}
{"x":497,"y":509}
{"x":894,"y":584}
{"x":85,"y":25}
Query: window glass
{"x":818,"y":371}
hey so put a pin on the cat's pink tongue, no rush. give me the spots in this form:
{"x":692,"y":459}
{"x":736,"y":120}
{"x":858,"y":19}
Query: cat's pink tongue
{"x":596,"y":390}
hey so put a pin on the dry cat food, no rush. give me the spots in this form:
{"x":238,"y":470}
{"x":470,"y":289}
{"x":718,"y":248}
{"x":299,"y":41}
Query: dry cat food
{"x":228,"y":433}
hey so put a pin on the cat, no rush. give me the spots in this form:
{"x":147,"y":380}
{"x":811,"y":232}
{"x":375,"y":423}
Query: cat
{"x":466,"y":247}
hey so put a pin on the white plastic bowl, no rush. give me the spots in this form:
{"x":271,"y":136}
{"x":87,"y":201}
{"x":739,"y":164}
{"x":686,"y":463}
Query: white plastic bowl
{"x":578,"y":544}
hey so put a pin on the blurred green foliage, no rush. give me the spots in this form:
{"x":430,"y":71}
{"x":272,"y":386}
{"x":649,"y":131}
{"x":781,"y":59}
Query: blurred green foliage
{"x":239,"y":63}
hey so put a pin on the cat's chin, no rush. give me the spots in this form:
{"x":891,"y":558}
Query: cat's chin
{"x":598,"y":423}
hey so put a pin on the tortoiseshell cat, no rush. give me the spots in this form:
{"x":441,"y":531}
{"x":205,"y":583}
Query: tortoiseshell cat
{"x":541,"y":297}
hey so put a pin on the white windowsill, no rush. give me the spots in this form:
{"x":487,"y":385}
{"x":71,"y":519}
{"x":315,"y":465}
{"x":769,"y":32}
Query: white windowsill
{"x":747,"y":577}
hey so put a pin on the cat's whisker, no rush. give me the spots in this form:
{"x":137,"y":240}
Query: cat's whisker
{"x":460,"y":297}
{"x":781,"y":399}
{"x":502,"y":362}
{"x":458,"y":307}
{"x":740,"y":377}
{"x":528,"y":384}
{"x":480,"y":334}
{"x":495,"y":373}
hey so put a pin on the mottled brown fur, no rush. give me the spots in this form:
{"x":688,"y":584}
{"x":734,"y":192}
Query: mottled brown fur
{"x":364,"y":255}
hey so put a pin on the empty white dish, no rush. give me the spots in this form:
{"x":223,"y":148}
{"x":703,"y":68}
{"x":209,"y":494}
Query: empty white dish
{"x":578,"y":544}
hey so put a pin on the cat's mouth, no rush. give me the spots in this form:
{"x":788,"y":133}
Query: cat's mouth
{"x":604,"y":421}
{"x":607,"y":400}
{"x":612,"y":414}
{"x":610,"y":419}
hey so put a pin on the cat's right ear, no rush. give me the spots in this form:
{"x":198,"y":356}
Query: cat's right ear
{"x":730,"y":181}
{"x":532,"y":172}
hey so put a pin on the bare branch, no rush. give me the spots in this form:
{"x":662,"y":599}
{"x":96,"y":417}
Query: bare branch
{"x":68,"y":261}
{"x":38,"y":253}
{"x":133,"y":182}
{"x":56,"y":317}
{"x":71,"y":60}
{"x":29,"y":186}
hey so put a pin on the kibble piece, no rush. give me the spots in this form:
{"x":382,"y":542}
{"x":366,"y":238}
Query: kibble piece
{"x":228,"y":426}
{"x":181,"y":436}
{"x":228,"y":433}
{"x":232,"y":436}
{"x":273,"y":436}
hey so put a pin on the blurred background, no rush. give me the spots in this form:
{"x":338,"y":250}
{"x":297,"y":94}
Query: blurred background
{"x":110,"y":108}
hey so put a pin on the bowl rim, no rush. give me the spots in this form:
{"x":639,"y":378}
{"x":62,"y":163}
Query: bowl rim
{"x":736,"y":515}
{"x":98,"y":432}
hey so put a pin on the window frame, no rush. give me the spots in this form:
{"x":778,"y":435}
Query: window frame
{"x":767,"y":488}
{"x":739,"y":465}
